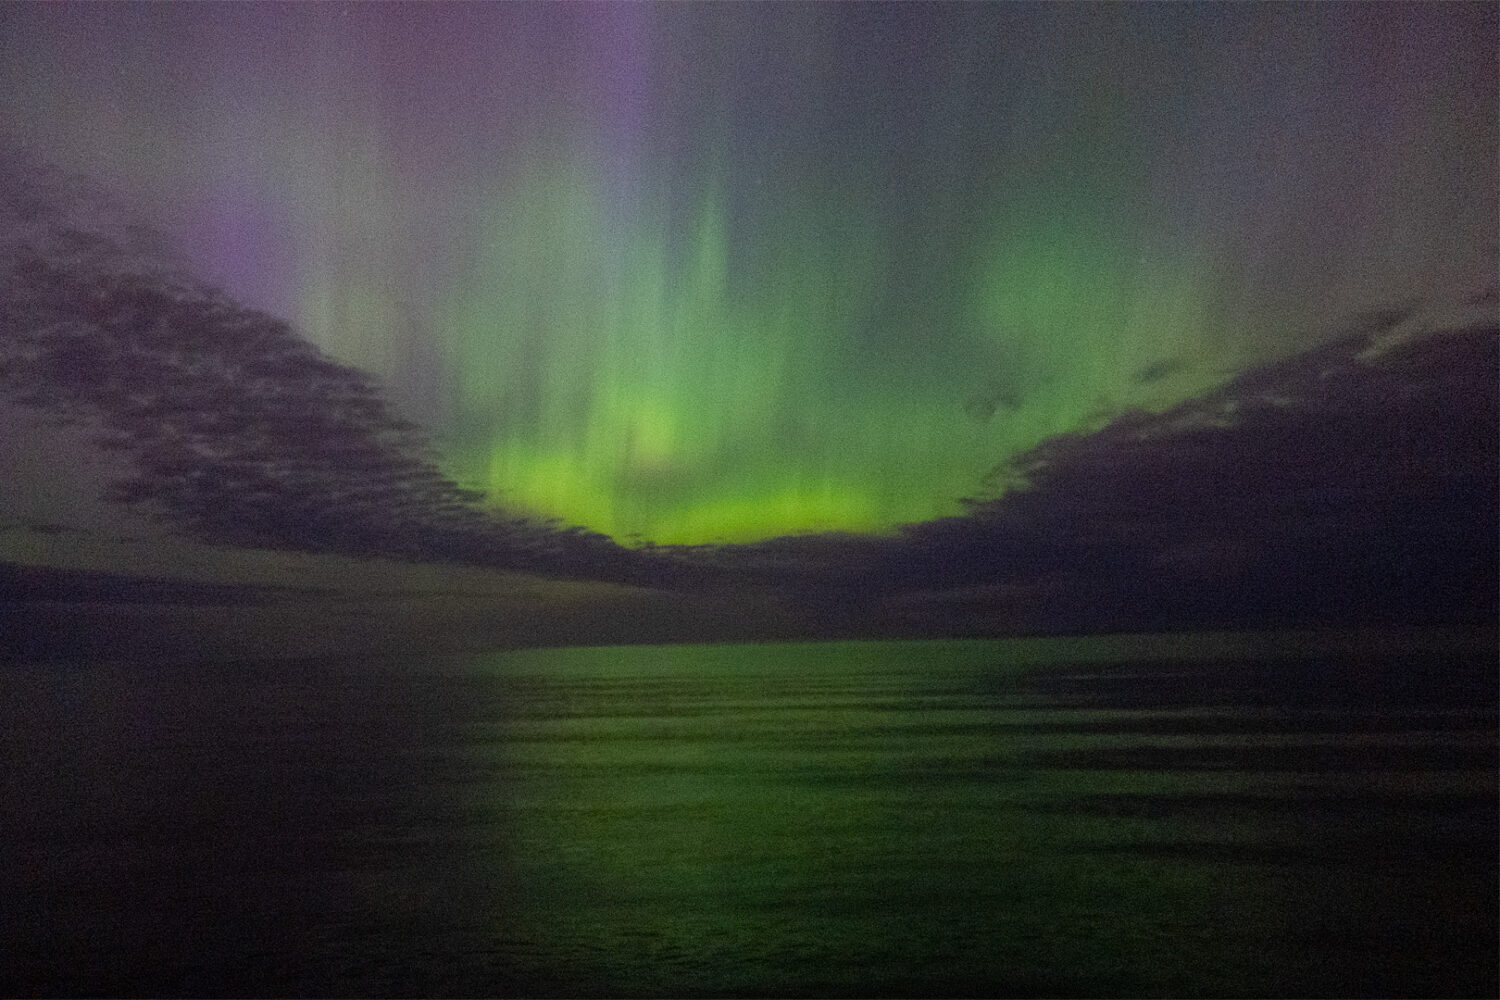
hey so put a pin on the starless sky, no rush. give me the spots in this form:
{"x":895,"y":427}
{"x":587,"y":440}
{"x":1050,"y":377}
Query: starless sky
{"x":690,"y":273}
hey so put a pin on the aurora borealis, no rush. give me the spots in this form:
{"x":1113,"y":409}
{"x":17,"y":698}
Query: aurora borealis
{"x":687,"y":274}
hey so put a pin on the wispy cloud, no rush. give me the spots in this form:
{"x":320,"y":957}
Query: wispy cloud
{"x":236,"y":429}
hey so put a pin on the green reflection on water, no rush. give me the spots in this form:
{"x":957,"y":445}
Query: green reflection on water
{"x":909,"y":818}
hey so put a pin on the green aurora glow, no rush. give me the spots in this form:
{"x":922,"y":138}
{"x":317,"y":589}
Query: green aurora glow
{"x":729,"y":390}
{"x":693,"y":273}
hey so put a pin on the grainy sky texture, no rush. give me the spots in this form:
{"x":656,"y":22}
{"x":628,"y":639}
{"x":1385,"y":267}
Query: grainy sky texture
{"x":691,"y":273}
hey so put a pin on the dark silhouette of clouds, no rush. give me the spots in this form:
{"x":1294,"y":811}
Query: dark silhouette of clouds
{"x":1354,"y":482}
{"x":236,"y":429}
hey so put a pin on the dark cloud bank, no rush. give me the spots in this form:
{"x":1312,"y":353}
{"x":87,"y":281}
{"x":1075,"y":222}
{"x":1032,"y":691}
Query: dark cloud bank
{"x":1354,"y":483}
{"x":237,"y":430}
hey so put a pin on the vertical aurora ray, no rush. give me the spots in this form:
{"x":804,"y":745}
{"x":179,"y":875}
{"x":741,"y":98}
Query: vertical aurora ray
{"x":633,"y":379}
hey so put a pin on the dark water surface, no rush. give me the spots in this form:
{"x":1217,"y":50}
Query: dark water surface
{"x":1237,"y":815}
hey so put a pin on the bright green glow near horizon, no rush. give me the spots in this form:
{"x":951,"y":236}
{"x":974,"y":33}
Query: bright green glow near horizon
{"x":719,"y":388}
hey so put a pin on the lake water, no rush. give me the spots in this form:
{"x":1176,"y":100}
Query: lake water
{"x":1211,"y":815}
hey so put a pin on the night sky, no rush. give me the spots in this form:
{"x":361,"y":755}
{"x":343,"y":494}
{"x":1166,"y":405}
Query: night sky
{"x":703,"y":273}
{"x":700,"y":274}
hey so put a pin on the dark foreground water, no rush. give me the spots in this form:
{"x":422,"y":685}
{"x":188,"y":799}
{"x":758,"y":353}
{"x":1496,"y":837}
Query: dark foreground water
{"x":1189,"y":816}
